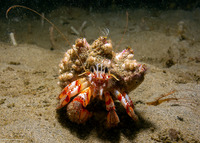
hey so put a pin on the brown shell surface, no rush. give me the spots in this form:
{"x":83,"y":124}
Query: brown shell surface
{"x":122,"y":64}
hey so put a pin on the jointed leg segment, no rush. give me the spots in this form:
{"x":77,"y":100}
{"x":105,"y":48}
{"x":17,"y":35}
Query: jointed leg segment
{"x":112,"y":117}
{"x":127,"y":103}
{"x":76,"y":109}
{"x":71,"y":90}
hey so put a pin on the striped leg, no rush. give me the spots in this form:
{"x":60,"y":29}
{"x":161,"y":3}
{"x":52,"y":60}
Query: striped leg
{"x":128,"y":99}
{"x":112,"y":117}
{"x":71,"y":90}
{"x":76,"y":109}
{"x":127,"y":103}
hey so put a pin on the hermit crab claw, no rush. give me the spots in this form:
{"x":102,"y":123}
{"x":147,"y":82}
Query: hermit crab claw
{"x":112,"y":119}
{"x":77,"y":113}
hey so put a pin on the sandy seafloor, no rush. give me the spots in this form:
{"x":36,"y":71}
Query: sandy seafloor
{"x":167,"y":41}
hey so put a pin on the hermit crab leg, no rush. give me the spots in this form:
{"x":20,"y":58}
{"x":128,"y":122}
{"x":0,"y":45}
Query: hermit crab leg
{"x":84,"y":97}
{"x":126,"y":103}
{"x":71,"y":90}
{"x":70,"y":86}
{"x":112,"y":117}
{"x":76,"y":109}
{"x":128,"y":99}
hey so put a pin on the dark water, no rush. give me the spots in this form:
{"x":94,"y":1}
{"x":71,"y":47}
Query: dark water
{"x":48,"y":5}
{"x":90,"y":6}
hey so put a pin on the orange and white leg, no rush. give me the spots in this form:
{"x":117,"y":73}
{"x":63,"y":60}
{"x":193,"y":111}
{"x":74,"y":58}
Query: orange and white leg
{"x":76,"y":109}
{"x":127,"y":103}
{"x":71,"y":90}
{"x":128,"y":99}
{"x":112,"y":117}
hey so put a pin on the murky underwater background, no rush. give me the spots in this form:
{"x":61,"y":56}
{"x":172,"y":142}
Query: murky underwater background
{"x":163,"y":35}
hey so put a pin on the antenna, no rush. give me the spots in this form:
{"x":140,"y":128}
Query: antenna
{"x":124,"y":29}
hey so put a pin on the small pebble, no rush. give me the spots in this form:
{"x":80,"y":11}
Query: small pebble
{"x":179,"y":118}
{"x":173,"y":134}
{"x":2,"y":101}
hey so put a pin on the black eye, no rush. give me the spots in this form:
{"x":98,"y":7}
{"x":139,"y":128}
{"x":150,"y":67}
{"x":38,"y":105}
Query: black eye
{"x":92,"y":69}
{"x":106,"y":70}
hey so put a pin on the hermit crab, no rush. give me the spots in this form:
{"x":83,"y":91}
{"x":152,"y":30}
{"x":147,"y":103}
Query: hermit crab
{"x":95,"y":71}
